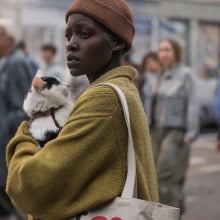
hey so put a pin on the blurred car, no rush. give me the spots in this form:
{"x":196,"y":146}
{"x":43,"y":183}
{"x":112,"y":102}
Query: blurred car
{"x":206,"y":92}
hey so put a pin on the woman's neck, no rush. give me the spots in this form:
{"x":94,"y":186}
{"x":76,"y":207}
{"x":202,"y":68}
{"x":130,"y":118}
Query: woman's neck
{"x":115,"y":62}
{"x":170,"y":67}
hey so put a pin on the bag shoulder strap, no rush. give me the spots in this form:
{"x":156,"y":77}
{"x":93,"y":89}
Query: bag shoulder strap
{"x":129,"y":190}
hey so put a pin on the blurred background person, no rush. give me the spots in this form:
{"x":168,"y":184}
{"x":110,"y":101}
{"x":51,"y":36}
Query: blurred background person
{"x":78,"y":85}
{"x":210,"y":70}
{"x":150,"y":72}
{"x":126,"y":60}
{"x":15,"y":79}
{"x":50,"y":66}
{"x":175,"y":123}
{"x":23,"y":49}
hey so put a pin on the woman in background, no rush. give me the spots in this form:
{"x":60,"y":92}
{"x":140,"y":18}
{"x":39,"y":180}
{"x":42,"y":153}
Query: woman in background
{"x":150,"y":75}
{"x":175,"y":123}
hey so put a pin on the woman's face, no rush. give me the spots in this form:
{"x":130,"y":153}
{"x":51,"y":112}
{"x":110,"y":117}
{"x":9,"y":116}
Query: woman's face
{"x":5,"y":43}
{"x":166,"y":54}
{"x":89,"y":47}
{"x":152,"y":65}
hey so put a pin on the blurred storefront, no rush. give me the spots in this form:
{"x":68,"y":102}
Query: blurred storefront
{"x":150,"y":30}
{"x":195,"y":23}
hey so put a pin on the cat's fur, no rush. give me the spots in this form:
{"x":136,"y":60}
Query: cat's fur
{"x":48,"y":105}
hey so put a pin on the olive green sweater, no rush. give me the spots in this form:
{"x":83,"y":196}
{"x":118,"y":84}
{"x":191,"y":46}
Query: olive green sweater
{"x":85,"y":166}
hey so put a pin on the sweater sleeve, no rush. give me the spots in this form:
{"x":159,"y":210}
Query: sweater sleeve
{"x":77,"y":171}
{"x":192,"y":109}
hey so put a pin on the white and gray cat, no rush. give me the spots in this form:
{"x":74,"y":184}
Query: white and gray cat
{"x":48,"y":105}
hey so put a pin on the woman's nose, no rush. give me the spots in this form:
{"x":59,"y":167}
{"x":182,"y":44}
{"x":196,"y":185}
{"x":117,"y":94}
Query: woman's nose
{"x":73,"y":44}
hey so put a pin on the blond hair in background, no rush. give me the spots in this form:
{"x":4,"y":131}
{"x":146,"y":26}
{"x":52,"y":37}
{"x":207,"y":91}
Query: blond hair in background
{"x":10,"y":29}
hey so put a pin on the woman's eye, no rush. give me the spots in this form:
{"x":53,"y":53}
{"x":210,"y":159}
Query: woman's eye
{"x":68,"y":36}
{"x":84,"y":34}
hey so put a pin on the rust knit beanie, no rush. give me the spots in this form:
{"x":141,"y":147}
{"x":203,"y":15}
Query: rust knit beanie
{"x":115,"y":15}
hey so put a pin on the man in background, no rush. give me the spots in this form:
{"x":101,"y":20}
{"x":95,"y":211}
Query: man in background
{"x":15,"y":80}
{"x":22,"y":47}
{"x":51,"y":67}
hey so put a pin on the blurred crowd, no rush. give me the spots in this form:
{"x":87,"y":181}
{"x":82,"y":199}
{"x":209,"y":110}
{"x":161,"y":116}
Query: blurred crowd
{"x":167,"y":89}
{"x":168,"y":92}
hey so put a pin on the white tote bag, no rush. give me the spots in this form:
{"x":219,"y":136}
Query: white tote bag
{"x":127,"y":207}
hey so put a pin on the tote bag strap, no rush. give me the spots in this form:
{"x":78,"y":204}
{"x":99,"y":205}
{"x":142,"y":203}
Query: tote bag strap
{"x":130,"y":187}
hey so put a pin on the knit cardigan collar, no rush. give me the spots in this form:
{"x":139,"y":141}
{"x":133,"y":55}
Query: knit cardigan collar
{"x":122,"y":71}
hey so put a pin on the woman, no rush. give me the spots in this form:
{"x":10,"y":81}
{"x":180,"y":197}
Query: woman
{"x":150,"y":75}
{"x":175,"y":123}
{"x":85,"y":166}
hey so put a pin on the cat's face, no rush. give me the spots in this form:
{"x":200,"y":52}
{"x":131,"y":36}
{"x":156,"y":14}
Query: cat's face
{"x":50,"y":87}
{"x":45,"y":93}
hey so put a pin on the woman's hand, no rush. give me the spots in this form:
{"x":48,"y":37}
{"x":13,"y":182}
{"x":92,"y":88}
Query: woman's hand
{"x":188,"y":140}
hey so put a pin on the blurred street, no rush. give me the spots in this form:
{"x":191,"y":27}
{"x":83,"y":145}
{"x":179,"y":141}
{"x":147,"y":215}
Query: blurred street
{"x":202,"y":187}
{"x":176,"y":54}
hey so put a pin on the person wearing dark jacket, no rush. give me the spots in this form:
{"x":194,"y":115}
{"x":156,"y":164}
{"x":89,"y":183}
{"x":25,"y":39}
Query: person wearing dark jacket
{"x":30,"y":60}
{"x":15,"y":79}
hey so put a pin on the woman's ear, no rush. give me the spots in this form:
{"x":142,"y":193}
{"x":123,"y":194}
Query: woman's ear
{"x":116,"y":43}
{"x":118,"y":47}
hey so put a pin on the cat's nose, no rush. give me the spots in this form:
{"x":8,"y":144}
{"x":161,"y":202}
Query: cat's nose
{"x":38,"y":84}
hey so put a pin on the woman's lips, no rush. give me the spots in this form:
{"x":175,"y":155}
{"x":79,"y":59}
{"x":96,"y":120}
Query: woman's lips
{"x":72,"y":61}
{"x":71,"y":57}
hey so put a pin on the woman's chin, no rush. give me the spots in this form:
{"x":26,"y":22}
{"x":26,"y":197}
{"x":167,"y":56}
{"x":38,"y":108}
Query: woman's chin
{"x":75,"y":72}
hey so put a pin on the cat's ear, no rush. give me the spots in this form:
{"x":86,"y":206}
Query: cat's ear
{"x":39,"y":73}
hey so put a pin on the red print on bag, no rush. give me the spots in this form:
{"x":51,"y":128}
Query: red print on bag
{"x":99,"y":218}
{"x":103,"y":218}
